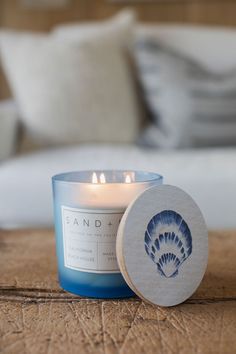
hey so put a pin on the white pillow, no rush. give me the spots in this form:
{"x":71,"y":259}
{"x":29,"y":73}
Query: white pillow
{"x":190,"y":104}
{"x":72,"y":92}
{"x":120,"y":28}
{"x":214,"y":48}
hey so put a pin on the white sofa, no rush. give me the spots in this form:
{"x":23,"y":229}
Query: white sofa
{"x":209,"y":175}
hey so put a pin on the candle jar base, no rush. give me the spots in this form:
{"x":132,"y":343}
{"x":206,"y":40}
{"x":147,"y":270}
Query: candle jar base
{"x":107,"y":286}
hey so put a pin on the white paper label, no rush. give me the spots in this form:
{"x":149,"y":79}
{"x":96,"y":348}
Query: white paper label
{"x":89,"y":238}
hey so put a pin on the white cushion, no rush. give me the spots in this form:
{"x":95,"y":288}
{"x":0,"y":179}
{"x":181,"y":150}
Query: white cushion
{"x":120,"y":28}
{"x":73,"y":92}
{"x":213,"y":47}
{"x":189,"y":85}
{"x":208,"y":175}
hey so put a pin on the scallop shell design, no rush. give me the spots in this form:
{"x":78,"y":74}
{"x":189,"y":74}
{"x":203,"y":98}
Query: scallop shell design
{"x":168,"y":242}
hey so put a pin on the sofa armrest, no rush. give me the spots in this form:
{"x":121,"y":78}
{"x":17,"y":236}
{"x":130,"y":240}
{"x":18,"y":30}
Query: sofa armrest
{"x":9,"y":124}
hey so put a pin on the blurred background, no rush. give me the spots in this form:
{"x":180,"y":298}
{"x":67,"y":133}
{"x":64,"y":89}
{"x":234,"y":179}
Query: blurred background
{"x":43,"y":15}
{"x":84,"y":83}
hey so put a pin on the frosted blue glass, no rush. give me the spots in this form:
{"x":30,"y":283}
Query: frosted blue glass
{"x":71,"y":190}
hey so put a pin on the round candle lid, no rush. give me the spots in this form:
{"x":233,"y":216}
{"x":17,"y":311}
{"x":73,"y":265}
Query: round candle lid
{"x":162,"y":245}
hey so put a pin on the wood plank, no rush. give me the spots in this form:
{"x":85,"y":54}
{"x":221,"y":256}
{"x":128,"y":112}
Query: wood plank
{"x":212,"y":13}
{"x":192,"y":11}
{"x":34,"y":250}
{"x":146,"y":11}
{"x":37,"y":316}
{"x":123,"y":327}
{"x":15,"y":15}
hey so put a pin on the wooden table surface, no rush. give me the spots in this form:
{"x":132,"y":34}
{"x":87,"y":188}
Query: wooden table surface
{"x":36,"y":316}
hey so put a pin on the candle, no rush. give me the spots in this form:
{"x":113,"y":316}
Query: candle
{"x":88,"y":207}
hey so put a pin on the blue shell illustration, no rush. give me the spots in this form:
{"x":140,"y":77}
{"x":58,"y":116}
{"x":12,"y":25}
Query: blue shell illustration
{"x":168,"y":242}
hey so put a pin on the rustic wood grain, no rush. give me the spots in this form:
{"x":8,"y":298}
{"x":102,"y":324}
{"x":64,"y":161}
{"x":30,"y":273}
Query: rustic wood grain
{"x":36,"y":316}
{"x":21,"y":251}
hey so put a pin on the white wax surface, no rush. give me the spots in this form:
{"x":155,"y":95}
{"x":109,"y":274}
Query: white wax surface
{"x":108,"y":196}
{"x":72,"y":189}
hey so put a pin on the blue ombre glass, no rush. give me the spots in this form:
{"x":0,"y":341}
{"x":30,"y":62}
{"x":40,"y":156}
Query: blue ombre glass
{"x":88,"y":206}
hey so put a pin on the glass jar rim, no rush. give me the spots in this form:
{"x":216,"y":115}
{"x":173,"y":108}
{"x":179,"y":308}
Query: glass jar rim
{"x":113,"y":177}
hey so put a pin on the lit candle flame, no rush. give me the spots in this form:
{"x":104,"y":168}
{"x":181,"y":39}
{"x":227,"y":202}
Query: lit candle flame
{"x":102,"y":178}
{"x":127,"y":179}
{"x":94,"y":178}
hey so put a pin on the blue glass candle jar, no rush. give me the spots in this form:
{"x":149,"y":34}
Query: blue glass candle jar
{"x":88,"y":207}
